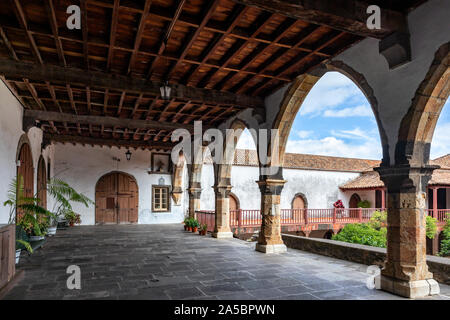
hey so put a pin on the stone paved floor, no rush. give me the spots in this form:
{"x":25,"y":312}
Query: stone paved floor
{"x":164,"y":262}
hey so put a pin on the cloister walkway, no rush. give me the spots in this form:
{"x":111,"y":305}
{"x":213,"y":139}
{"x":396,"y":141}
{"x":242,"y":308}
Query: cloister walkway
{"x":164,"y":262}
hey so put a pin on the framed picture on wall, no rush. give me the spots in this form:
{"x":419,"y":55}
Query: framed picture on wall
{"x":160,"y":163}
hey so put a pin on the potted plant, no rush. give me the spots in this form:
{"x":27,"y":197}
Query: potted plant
{"x":63,"y":195}
{"x":21,"y":243}
{"x":195,"y":225}
{"x":186,"y":222}
{"x":203,"y":230}
{"x":73,"y":218}
{"x":189,"y":224}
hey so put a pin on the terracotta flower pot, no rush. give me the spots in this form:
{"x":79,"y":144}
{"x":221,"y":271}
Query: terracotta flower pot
{"x":195,"y":229}
{"x":189,"y":228}
{"x":203,"y":232}
{"x":185,"y":227}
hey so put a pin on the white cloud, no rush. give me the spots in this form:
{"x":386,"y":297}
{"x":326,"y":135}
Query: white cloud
{"x":330,"y":91}
{"x":440,"y":145}
{"x":332,"y":146}
{"x":358,"y":111}
{"x":303,"y":133}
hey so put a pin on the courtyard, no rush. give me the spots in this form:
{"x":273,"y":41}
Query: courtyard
{"x":164,"y":262}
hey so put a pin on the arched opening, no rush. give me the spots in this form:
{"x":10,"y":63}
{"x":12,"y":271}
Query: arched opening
{"x":299,"y":202}
{"x":25,"y":170}
{"x":234,"y":202}
{"x":117,"y":199}
{"x":353,"y":203}
{"x":42,"y":182}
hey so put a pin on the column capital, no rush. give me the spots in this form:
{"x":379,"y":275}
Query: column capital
{"x":404,"y":177}
{"x":222,"y":191}
{"x":271,"y":186}
{"x":195,"y":192}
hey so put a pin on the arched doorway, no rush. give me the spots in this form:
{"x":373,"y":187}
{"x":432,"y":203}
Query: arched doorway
{"x":116,"y":199}
{"x":42,"y":182}
{"x":299,"y":202}
{"x":234,"y":202}
{"x":353,"y":203}
{"x":25,"y":171}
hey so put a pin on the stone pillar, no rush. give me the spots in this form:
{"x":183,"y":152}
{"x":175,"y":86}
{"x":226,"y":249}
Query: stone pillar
{"x":194,"y":200}
{"x":406,"y":271}
{"x":269,"y":240}
{"x":222,"y":227}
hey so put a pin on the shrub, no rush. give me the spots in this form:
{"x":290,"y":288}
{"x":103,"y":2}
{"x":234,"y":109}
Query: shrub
{"x":362,"y":234}
{"x":378,"y":220}
{"x":445,"y":243}
{"x":431,"y":227}
{"x":364,"y":204}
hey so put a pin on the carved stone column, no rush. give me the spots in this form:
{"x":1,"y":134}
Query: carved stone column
{"x":222,"y":227}
{"x":194,"y":200}
{"x":177,"y":193}
{"x":269,"y":240}
{"x":406,"y":271}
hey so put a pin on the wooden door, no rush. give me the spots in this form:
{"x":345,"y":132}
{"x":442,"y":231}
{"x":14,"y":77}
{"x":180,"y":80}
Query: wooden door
{"x":42,"y":183}
{"x":25,"y":170}
{"x":353,"y":203}
{"x":116,"y":199}
{"x":298,"y":203}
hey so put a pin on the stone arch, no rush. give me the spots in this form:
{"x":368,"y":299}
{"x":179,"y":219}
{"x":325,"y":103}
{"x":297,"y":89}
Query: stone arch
{"x":236,"y":200}
{"x":417,"y":127}
{"x":22,"y":140}
{"x":300,"y":88}
{"x":223,"y":169}
{"x":42,"y":182}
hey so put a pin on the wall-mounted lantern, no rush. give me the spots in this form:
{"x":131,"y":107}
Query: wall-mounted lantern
{"x":165,"y":90}
{"x":128,"y":155}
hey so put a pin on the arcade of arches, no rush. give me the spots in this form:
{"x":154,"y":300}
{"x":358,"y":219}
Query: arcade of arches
{"x":109,"y":98}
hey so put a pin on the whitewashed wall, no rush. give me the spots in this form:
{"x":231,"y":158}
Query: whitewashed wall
{"x":10,"y":132}
{"x":321,"y":188}
{"x":363,"y":194}
{"x":83,"y":166}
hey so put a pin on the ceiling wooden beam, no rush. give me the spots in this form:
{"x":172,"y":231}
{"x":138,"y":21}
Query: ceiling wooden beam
{"x":48,"y":138}
{"x":345,"y":15}
{"x":30,"y":117}
{"x":14,"y":69}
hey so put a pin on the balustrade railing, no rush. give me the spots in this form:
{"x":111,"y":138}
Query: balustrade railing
{"x":252,"y":218}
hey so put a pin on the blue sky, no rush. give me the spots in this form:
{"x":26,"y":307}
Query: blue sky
{"x":336,"y":120}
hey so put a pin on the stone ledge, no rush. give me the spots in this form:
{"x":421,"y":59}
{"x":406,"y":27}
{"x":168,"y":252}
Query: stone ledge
{"x":440,"y":267}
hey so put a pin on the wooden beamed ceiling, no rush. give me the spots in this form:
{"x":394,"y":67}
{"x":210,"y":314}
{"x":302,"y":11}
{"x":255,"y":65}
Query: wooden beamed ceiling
{"x":219,"y":56}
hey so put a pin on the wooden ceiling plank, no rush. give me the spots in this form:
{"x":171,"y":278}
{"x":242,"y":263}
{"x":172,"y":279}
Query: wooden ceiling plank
{"x":208,"y":12}
{"x":84,"y":31}
{"x":106,"y":142}
{"x":139,"y":33}
{"x":36,"y":115}
{"x":113,"y":33}
{"x":54,"y":25}
{"x":8,"y":45}
{"x":73,"y":76}
{"x":20,"y":15}
{"x":72,"y":103}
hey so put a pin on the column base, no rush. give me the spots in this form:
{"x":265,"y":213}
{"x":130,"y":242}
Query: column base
{"x":410,"y":289}
{"x":222,"y":235}
{"x":271,"y":248}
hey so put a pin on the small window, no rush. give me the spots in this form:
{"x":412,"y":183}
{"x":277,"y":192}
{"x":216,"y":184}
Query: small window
{"x":160,"y":199}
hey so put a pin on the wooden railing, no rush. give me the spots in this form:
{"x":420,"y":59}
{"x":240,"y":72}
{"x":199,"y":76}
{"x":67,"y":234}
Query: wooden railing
{"x":440,"y":214}
{"x":299,"y":217}
{"x":7,"y":253}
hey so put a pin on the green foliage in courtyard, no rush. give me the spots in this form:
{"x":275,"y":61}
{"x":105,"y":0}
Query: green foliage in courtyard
{"x":362,"y":234}
{"x":445,"y":243}
{"x":431,"y":227}
{"x":378,"y":220}
{"x":374,"y":232}
{"x":364,"y":204}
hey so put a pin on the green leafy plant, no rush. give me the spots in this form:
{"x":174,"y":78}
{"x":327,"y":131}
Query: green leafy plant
{"x":445,"y":243}
{"x":364,"y":204}
{"x":204,"y":227}
{"x":72,"y":217}
{"x":195,"y":223}
{"x":64,"y":195}
{"x":25,"y":244}
{"x":378,"y":220}
{"x":431,"y":227}
{"x":362,"y":234}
